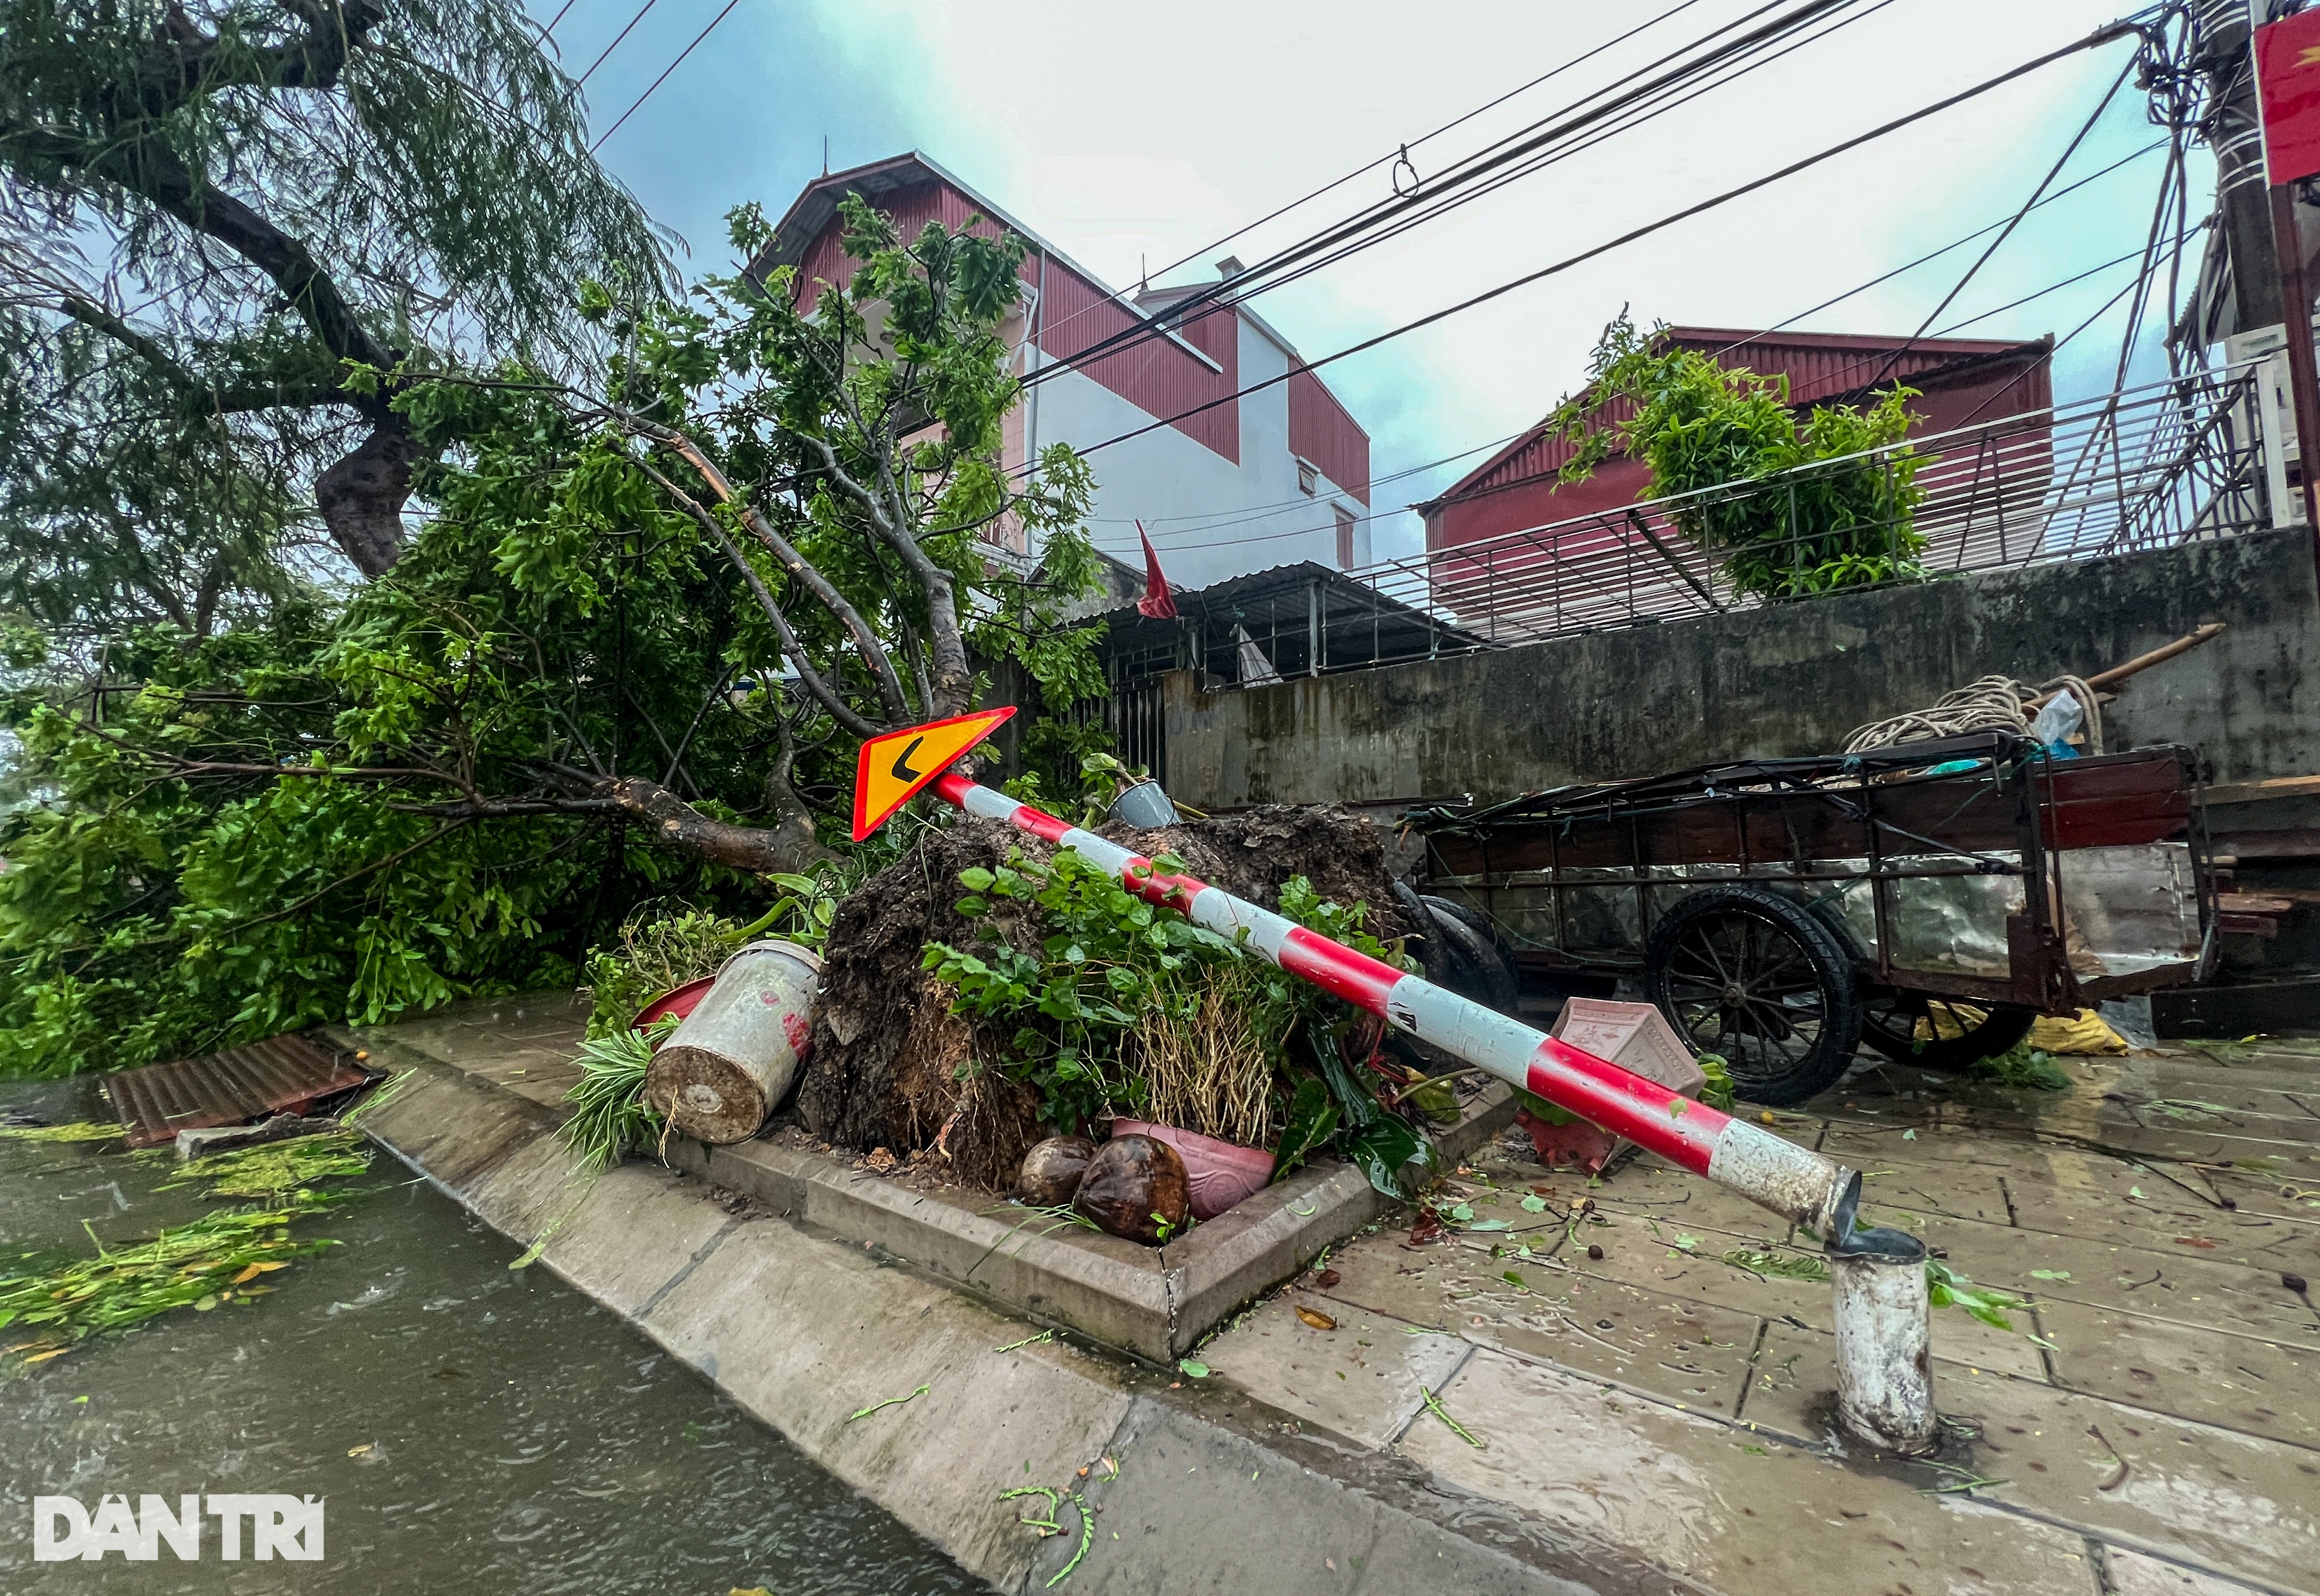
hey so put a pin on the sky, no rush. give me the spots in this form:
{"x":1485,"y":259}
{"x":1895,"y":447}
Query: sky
{"x":1133,"y":137}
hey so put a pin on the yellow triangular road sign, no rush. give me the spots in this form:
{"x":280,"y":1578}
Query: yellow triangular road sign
{"x":894,"y":767}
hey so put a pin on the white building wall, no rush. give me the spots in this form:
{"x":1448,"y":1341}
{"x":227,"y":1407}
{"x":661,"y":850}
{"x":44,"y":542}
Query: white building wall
{"x":1209,"y":518}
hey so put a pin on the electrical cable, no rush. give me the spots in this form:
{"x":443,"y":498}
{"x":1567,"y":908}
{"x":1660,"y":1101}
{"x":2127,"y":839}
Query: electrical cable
{"x":1241,"y":514}
{"x":1258,"y":513}
{"x":1933,"y":255}
{"x":1893,"y":357}
{"x":1515,"y":147}
{"x":1404,"y":150}
{"x":558,"y":17}
{"x":623,"y":33}
{"x":2100,"y":37}
{"x":672,"y":67}
{"x":1553,"y":157}
{"x":1251,"y":514}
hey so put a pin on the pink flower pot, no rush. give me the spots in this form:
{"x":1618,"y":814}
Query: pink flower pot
{"x":1560,"y":1147}
{"x":680,"y":1000}
{"x":1220,"y":1173}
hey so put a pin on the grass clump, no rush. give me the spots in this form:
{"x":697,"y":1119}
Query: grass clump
{"x":2021,"y":1065}
{"x":214,"y":1260}
{"x":656,"y":951}
{"x":273,"y":1170}
{"x":1777,"y":1266}
{"x":80,"y":1131}
{"x":609,"y":1111}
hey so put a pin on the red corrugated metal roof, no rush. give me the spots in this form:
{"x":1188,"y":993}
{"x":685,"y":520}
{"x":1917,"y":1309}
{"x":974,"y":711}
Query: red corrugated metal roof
{"x":284,"y":1073}
{"x":1821,"y":367}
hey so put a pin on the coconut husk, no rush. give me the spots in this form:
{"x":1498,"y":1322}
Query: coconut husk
{"x":1052,"y":1171}
{"x":1135,"y":1187}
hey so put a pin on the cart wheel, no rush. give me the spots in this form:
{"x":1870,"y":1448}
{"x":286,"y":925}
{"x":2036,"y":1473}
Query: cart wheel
{"x":1751,"y":976}
{"x":1954,"y":1032}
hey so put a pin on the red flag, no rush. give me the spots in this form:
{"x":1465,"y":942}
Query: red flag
{"x":1155,"y":601}
{"x":2287,"y":85}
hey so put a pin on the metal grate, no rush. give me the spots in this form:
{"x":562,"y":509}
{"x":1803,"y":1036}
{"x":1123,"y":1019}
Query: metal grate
{"x":284,"y":1074}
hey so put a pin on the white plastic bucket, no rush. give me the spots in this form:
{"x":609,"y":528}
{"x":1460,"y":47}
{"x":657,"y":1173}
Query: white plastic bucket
{"x":730,"y":1063}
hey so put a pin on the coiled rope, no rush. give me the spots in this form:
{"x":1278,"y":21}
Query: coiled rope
{"x":1986,"y":703}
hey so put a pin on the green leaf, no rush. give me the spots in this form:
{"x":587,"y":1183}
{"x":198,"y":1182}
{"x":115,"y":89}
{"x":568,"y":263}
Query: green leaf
{"x":1534,"y":1203}
{"x":1311,"y":1122}
{"x":1193,"y":1369}
{"x":1382,"y":1150}
{"x":977,"y":879}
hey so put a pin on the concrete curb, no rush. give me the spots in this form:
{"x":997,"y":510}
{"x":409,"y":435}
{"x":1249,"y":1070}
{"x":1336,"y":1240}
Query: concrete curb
{"x":1153,"y":1302}
{"x":805,"y":1331}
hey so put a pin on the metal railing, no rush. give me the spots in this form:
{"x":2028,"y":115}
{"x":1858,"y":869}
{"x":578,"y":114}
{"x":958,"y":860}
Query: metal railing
{"x":2147,"y":468}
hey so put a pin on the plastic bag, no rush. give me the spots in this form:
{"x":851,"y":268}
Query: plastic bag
{"x":2085,"y":1035}
{"x":2057,"y":723}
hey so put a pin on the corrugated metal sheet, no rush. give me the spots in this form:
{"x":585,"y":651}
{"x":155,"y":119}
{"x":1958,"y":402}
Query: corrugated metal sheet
{"x":1820,"y":366}
{"x":1157,"y":376}
{"x":1325,"y":432}
{"x":284,"y":1074}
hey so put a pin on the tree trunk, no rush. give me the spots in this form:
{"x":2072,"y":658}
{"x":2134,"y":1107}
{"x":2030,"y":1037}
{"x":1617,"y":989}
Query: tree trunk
{"x":787,"y":845}
{"x":362,"y":496}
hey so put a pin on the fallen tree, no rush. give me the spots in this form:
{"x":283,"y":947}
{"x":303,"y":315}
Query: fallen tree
{"x":628,"y":657}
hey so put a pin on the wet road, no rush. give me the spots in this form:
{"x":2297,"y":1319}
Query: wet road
{"x":471,"y":1427}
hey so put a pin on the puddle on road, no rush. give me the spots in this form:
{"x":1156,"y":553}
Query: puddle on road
{"x":472,"y":1428}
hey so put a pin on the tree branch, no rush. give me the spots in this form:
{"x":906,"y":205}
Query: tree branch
{"x":823,"y":693}
{"x":825,"y":592}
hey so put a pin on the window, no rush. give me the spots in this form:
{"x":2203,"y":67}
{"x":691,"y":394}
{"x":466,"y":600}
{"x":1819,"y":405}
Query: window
{"x":1345,"y":538}
{"x":1309,"y":478}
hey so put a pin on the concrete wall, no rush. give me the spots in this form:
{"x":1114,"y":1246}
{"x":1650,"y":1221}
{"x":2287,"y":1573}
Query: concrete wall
{"x":1787,"y":680}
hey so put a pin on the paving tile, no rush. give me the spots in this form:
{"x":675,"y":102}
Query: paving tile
{"x":2087,"y":1194}
{"x":1633,"y":1257}
{"x":1732,"y":1511}
{"x":2243,"y":1504}
{"x":1360,"y":1380}
{"x":2236,"y":1381}
{"x":2195,"y":1285}
{"x":1687,"y":1352}
{"x":2133,"y":1575}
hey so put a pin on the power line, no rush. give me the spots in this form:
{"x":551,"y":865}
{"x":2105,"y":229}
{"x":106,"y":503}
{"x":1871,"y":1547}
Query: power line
{"x":1243,"y":514}
{"x":623,"y":33}
{"x":558,"y":17}
{"x":1527,"y":141}
{"x":2100,"y":37}
{"x":1633,"y":119}
{"x":1959,"y":243}
{"x":2028,"y":206}
{"x":1258,"y":515}
{"x":1422,"y":139}
{"x":672,"y":67}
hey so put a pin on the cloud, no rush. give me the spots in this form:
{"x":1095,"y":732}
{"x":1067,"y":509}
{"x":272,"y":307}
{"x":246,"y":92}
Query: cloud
{"x":1141,"y":135}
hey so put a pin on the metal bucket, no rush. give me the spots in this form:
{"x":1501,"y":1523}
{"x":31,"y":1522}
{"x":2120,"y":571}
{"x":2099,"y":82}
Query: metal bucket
{"x":1145,"y":806}
{"x":730,"y":1063}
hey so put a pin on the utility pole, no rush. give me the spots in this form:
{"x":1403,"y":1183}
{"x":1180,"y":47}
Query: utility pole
{"x":2260,"y":236}
{"x":2219,"y":41}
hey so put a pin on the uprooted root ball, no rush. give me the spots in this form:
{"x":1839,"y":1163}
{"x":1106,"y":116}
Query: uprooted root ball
{"x":891,"y":1066}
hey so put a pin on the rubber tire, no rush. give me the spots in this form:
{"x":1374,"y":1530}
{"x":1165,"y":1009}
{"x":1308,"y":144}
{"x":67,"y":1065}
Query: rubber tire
{"x":1825,"y":960}
{"x":2007,"y":1024}
{"x":1457,"y":956}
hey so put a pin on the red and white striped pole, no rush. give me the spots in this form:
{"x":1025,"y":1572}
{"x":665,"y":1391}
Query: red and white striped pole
{"x":1798,"y":1184}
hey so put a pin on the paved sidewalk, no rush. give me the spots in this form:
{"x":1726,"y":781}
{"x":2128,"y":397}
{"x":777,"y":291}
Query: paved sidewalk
{"x":2150,"y":1425}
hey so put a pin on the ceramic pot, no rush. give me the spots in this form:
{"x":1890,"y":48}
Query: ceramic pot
{"x":1222,"y":1172}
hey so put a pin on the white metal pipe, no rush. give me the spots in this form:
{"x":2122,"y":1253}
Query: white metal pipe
{"x":1884,"y":1353}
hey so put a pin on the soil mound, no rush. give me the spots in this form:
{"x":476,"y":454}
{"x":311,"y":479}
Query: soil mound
{"x":887,"y":1063}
